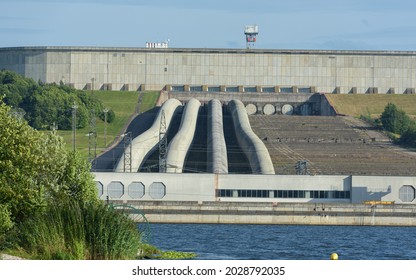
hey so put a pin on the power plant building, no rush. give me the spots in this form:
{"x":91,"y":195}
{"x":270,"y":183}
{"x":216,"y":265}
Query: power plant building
{"x":243,"y":70}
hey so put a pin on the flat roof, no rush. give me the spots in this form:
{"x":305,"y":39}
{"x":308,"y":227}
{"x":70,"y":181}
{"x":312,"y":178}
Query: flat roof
{"x":209,"y":50}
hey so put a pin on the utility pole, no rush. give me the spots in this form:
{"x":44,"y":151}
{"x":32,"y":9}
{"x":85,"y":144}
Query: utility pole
{"x":92,"y":85}
{"x":92,"y":140}
{"x":105,"y":126}
{"x":163,"y":143}
{"x":74,"y":125}
{"x":54,"y":126}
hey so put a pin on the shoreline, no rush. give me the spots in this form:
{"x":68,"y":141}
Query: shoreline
{"x":274,"y":213}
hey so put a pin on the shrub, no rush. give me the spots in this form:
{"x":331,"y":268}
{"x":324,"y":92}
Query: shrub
{"x":5,"y":221}
{"x":394,"y":119}
{"x":75,"y":231}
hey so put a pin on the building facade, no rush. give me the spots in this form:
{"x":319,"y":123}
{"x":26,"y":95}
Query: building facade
{"x":216,"y":69}
{"x":254,"y":188}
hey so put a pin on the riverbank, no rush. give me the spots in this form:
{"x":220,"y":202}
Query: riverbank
{"x":277,"y":213}
{"x":6,"y":257}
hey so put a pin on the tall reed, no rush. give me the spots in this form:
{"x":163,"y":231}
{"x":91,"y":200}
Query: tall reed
{"x":73,"y":231}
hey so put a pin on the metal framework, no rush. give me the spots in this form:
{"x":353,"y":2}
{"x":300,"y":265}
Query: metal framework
{"x":302,"y":168}
{"x":163,"y":143}
{"x":251,"y":32}
{"x":127,"y":152}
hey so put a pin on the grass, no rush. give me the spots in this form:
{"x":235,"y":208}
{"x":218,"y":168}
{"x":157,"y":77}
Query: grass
{"x":74,"y":231}
{"x":70,"y":231}
{"x":124,"y":104}
{"x":371,"y":104}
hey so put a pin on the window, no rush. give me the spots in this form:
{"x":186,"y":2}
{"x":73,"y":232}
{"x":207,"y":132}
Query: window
{"x":268,"y":89}
{"x":304,"y":90}
{"x":214,"y":89}
{"x":250,"y":89}
{"x":407,"y":193}
{"x":115,"y":189}
{"x":178,"y":88}
{"x":195,"y":88}
{"x":286,"y":90}
{"x":225,"y":193}
{"x":284,"y":194}
{"x":136,"y":190}
{"x":231,"y":89}
{"x":157,"y":190}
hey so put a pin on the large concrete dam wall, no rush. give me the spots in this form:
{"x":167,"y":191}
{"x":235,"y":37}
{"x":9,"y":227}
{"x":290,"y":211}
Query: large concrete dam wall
{"x":225,"y":70}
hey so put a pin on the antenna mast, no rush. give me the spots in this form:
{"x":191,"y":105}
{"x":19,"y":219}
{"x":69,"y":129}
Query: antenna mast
{"x":251,"y":32}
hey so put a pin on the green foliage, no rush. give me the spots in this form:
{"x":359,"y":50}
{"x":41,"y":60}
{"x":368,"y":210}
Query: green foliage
{"x":397,"y":121}
{"x":48,"y":202}
{"x":6,"y":222}
{"x":166,"y":255}
{"x":408,"y":138}
{"x":394,"y":119}
{"x":47,"y":104}
{"x":79,"y":231}
{"x":110,"y":115}
{"x":148,"y":251}
{"x":35,"y":170}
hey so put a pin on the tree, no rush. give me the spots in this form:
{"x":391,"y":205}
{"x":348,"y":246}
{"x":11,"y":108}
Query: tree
{"x":35,"y":169}
{"x":394,"y":119}
{"x":45,"y":104}
{"x":408,"y":138}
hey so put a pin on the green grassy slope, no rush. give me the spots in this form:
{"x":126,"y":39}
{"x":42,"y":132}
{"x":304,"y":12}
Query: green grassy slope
{"x":371,"y":104}
{"x":124,"y":104}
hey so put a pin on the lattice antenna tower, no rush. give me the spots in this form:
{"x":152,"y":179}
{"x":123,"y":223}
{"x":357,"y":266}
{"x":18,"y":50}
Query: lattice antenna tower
{"x":302,"y":168}
{"x":163,"y":143}
{"x":251,"y":32}
{"x":127,"y":152}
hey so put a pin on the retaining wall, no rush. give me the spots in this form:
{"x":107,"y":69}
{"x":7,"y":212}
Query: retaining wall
{"x":279,"y":213}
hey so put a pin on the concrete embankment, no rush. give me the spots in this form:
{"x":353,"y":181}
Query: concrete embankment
{"x":278,"y":213}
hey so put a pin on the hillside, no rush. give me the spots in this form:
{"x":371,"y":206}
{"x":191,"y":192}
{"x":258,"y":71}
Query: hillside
{"x":371,"y":104}
{"x":124,"y":104}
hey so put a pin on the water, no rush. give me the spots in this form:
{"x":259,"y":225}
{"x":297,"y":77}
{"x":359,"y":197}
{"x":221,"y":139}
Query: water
{"x":281,"y":242}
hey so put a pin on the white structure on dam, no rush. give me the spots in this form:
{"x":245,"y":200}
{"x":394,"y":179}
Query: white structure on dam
{"x":168,"y":187}
{"x":225,"y":70}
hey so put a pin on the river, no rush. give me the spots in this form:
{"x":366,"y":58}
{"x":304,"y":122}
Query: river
{"x":281,"y":242}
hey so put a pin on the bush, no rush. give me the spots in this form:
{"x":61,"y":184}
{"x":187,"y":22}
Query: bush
{"x":79,"y":231}
{"x":408,"y":138}
{"x":36,"y":169}
{"x":394,"y":119}
{"x":5,"y":221}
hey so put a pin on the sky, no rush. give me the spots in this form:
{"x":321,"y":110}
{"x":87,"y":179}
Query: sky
{"x":283,"y":24}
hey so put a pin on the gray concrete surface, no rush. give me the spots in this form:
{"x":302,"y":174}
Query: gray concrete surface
{"x":294,"y":71}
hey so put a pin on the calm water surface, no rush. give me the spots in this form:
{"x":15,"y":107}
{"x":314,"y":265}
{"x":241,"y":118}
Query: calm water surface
{"x":280,"y":242}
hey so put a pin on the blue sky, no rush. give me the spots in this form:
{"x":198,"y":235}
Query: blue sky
{"x":283,"y":24}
